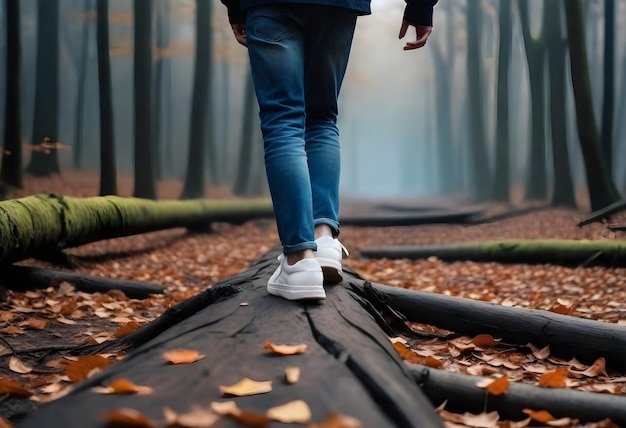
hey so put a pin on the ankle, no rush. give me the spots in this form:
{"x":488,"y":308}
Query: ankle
{"x":296,"y":256}
{"x":323,"y":230}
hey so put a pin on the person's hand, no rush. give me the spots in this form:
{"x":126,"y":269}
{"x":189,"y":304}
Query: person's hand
{"x":422,"y":34}
{"x":239,"y":30}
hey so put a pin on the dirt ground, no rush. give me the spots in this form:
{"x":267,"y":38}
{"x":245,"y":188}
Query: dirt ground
{"x":39,"y":326}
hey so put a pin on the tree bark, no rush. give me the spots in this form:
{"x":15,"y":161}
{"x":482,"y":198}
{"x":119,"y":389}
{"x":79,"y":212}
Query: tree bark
{"x":80,"y":93}
{"x":600,"y":184}
{"x":243,"y":183}
{"x":42,"y":224}
{"x":11,"y":167}
{"x":108,"y":170}
{"x":144,"y":159}
{"x":608,"y":98}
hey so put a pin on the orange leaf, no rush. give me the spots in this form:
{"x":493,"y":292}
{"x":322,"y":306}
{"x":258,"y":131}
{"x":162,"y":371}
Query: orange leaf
{"x":127,"y":328}
{"x":247,"y":418}
{"x":197,"y":417}
{"x":555,"y":378}
{"x":335,"y":420}
{"x":294,"y":412}
{"x":81,"y":369}
{"x":11,"y":387}
{"x":539,"y":415}
{"x":495,"y":387}
{"x":485,"y":341}
{"x":433,"y":362}
{"x":408,"y":355}
{"x":285,"y":349}
{"x":5,"y":423}
{"x":12,"y":330}
{"x":247,"y":387}
{"x":127,"y":418}
{"x":37,"y":323}
{"x":183,"y":356}
{"x":122,"y":387}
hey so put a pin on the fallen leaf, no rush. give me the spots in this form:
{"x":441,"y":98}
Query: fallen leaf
{"x":482,"y":420}
{"x":554,"y":379}
{"x":244,"y":304}
{"x":398,"y":340}
{"x":183,"y":356}
{"x":246,"y":387}
{"x":433,"y":362}
{"x":84,"y":367}
{"x":12,"y":387}
{"x":495,"y":387}
{"x":122,"y":387}
{"x":563,"y":422}
{"x":12,"y":330}
{"x":407,"y":355}
{"x":597,"y":368}
{"x":225,"y":407}
{"x":294,"y":412}
{"x":485,"y":341}
{"x":285,"y":349}
{"x":127,"y":328}
{"x":292,"y":375}
{"x":196,"y":418}
{"x":540,"y":354}
{"x":127,"y":418}
{"x":542,"y":416}
{"x":229,"y":408}
{"x":18,"y":366}
{"x":66,"y":321}
{"x":336,"y":420}
{"x":37,"y":323}
{"x":5,"y":423}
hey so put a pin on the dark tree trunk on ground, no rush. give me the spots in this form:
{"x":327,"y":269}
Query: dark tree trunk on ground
{"x":11,"y":167}
{"x":194,"y":180}
{"x":108,"y":174}
{"x":608,"y":98}
{"x":501,"y":190}
{"x":82,"y":79}
{"x":602,"y":190}
{"x":479,"y":156}
{"x":563,"y":193}
{"x":45,"y":162}
{"x":536,"y":188}
{"x":144,"y":159}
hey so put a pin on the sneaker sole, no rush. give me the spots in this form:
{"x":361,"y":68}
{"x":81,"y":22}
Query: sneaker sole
{"x":331,"y":269}
{"x":300,"y":292}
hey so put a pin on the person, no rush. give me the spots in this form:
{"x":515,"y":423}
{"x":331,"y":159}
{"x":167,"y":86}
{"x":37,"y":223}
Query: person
{"x":298,"y":52}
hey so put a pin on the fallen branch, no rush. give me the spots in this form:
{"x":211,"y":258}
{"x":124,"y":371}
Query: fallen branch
{"x":567,"y":336}
{"x":516,"y":212}
{"x":410,"y":219}
{"x":605,"y":212}
{"x":22,"y":278}
{"x":553,"y":251}
{"x":463,"y":395}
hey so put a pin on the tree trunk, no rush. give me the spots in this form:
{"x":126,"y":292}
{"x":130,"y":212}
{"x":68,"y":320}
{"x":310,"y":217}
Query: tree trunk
{"x":194,"y":180}
{"x":243,"y":181}
{"x":144,"y":159}
{"x":108,"y":174}
{"x":601,"y":188}
{"x":11,"y":167}
{"x":501,"y":190}
{"x":45,"y":223}
{"x":346,"y":370}
{"x":45,"y":161}
{"x":608,"y":99}
{"x":480,"y":165}
{"x":82,"y":78}
{"x":563,"y":193}
{"x":536,"y":188}
{"x":554,"y":251}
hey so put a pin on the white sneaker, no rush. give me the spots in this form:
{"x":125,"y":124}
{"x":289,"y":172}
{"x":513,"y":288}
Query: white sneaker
{"x":329,"y":255}
{"x":301,"y":281}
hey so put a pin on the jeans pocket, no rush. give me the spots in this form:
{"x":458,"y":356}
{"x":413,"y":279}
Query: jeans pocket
{"x":271,"y":24}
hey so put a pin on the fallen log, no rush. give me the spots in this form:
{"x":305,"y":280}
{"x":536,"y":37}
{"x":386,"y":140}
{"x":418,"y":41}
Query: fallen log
{"x":37,"y":224}
{"x":462,"y":395}
{"x":603,"y":213}
{"x":514,"y":212}
{"x":22,"y":278}
{"x":553,"y":251}
{"x":349,"y":367}
{"x":567,"y":336}
{"x":450,"y":216}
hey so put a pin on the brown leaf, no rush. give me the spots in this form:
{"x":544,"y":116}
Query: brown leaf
{"x":122,"y":387}
{"x":196,"y":418}
{"x":5,"y":423}
{"x":485,"y":341}
{"x":82,"y":368}
{"x":285,"y":349}
{"x":12,"y":330}
{"x":183,"y":356}
{"x":336,"y":420}
{"x":294,"y":412}
{"x":597,"y":368}
{"x":292,"y":375}
{"x":128,"y":418}
{"x":230,"y":408}
{"x":247,"y":387}
{"x":407,"y":355}
{"x":554,"y":379}
{"x":37,"y":323}
{"x":18,"y":366}
{"x":11,"y":387}
{"x":127,"y":328}
{"x":495,"y":387}
{"x":540,"y":354}
{"x":433,"y":362}
{"x":542,"y":416}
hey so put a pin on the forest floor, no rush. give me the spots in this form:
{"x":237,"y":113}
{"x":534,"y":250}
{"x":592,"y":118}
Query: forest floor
{"x":187,"y":264}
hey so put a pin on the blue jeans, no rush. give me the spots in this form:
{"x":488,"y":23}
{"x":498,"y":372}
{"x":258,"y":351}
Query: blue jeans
{"x":298,"y":57}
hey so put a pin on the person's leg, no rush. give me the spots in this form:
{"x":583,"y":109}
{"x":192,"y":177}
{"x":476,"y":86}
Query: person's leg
{"x":327,"y":51}
{"x":276,"y":45}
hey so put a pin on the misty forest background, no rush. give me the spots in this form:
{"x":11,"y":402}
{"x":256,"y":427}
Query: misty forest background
{"x":487,"y":111}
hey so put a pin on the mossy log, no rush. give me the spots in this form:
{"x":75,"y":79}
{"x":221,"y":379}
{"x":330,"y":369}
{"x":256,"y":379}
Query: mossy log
{"x":350,"y":366}
{"x":43,"y":223}
{"x":22,"y":278}
{"x":554,"y":251}
{"x":567,"y":336}
{"x":462,"y":395}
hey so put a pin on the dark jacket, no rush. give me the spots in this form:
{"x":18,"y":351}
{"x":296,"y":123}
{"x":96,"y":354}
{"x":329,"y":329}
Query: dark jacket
{"x":417,"y":12}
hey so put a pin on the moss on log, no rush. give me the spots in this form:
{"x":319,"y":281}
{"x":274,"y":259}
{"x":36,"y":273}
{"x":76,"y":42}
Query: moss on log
{"x":555,"y":251}
{"x":47,"y":222}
